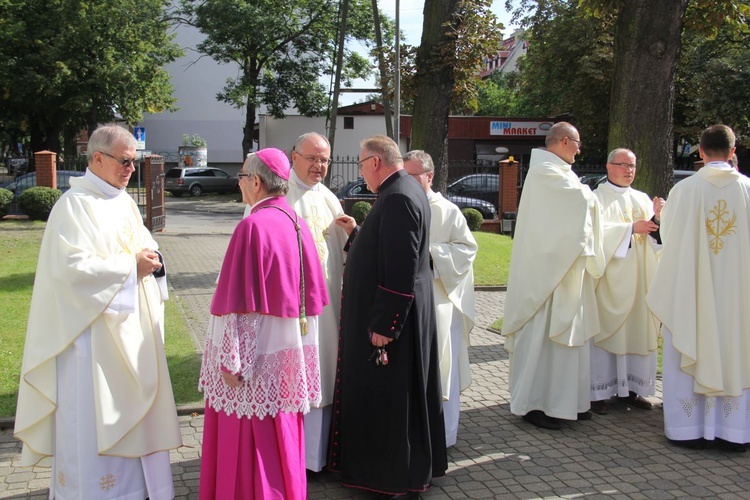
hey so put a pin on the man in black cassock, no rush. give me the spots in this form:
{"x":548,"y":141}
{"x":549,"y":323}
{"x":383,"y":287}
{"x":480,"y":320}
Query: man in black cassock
{"x":388,"y":431}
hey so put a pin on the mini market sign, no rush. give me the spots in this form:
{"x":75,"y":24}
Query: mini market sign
{"x":520,"y":128}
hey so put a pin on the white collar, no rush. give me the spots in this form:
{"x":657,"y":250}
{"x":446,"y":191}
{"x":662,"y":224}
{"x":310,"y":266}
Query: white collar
{"x":721,"y":165}
{"x":106,"y":188}
{"x":300,"y":183}
{"x":616,"y":188}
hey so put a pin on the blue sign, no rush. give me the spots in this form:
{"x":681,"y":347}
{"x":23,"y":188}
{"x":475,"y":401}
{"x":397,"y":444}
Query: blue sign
{"x":140,"y":137}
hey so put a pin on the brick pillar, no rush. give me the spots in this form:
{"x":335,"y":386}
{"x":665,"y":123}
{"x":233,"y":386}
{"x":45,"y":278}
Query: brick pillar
{"x":508,"y":195}
{"x":45,"y":163}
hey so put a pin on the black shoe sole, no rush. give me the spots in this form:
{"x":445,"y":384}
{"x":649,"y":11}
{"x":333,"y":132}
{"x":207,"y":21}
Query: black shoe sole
{"x":539,"y":419}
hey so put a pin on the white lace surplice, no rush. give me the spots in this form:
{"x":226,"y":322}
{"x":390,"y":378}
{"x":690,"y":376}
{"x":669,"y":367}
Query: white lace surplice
{"x":280,"y":366}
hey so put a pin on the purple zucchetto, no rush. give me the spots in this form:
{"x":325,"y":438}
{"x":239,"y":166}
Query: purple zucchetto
{"x":276,"y":160}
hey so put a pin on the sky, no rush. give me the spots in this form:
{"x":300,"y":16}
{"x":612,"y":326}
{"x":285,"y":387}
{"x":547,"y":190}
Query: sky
{"x":411,"y":26}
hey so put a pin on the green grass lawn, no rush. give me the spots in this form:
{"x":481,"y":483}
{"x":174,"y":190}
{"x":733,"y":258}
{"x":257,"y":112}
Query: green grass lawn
{"x":493,"y":258}
{"x":19,"y":249}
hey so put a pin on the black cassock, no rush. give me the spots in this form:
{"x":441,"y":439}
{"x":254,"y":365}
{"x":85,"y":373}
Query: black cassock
{"x":388,"y":433}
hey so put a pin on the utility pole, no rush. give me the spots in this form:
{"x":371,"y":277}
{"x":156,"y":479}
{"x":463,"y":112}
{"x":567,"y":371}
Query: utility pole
{"x":337,"y":82}
{"x":397,"y":82}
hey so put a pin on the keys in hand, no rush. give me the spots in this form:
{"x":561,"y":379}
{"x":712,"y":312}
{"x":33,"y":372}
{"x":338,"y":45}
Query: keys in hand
{"x":379,"y":356}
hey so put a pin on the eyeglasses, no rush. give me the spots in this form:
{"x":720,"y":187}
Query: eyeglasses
{"x":630,"y":166}
{"x":363,"y":160}
{"x":578,"y":143}
{"x":242,"y":174}
{"x":125,"y":162}
{"x":313,"y":159}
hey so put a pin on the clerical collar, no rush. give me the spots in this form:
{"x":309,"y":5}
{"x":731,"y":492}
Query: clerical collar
{"x":260,"y":201}
{"x":722,"y":165}
{"x":391,"y":175}
{"x":106,"y":188}
{"x":431,"y":195}
{"x":616,"y":188}
{"x":300,"y":183}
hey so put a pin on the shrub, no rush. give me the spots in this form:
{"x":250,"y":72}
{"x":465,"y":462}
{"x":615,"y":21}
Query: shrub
{"x":360,"y":211}
{"x":37,"y":202}
{"x":473,"y":218}
{"x":6,"y":198}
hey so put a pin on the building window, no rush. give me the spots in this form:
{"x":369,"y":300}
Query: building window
{"x":349,"y":122}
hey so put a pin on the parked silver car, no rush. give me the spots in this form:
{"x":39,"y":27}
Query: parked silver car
{"x":199,"y":180}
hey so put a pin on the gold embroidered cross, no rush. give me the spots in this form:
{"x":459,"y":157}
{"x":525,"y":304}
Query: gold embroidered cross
{"x":107,"y":482}
{"x":319,"y":230}
{"x":719,"y":226}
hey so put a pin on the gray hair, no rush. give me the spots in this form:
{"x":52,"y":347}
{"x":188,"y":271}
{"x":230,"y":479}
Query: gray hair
{"x":274,"y":185}
{"x":422,"y":157}
{"x":615,"y":152}
{"x":309,"y":135}
{"x":558,"y":132}
{"x":385,"y":148}
{"x":106,"y":138}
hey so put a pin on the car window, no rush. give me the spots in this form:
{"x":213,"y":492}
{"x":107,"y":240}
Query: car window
{"x":174,"y":173}
{"x":360,"y":189}
{"x":493,"y":183}
{"x":220,"y":173}
{"x":471,"y":183}
{"x":198,"y":173}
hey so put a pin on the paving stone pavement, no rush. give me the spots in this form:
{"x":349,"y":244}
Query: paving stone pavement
{"x":621,"y":455}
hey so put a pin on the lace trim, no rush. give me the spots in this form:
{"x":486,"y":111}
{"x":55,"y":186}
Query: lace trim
{"x":284,"y":381}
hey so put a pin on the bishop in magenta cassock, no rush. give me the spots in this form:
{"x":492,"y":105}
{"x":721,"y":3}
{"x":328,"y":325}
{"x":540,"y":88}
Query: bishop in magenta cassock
{"x":260,"y":371}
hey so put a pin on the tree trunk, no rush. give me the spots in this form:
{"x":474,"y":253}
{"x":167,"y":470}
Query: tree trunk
{"x":647,"y":48}
{"x":429,"y":127}
{"x":382,"y":68}
{"x":249,"y":128}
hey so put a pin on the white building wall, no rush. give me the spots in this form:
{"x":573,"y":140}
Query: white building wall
{"x":196,"y":82}
{"x":281,"y":134}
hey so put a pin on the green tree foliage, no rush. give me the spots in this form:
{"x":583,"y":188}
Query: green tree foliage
{"x":501,"y":96}
{"x":572,"y":43}
{"x":713,"y":83}
{"x":65,"y":64}
{"x":281,"y":48}
{"x":567,"y":70}
{"x":457,"y":36}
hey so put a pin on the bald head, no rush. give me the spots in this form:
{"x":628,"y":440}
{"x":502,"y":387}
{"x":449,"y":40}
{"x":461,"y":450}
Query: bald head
{"x":563,"y":140}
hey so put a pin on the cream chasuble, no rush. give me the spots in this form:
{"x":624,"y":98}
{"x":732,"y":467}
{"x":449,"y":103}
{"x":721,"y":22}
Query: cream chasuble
{"x":557,"y":251}
{"x":86,"y":257}
{"x":701,"y":290}
{"x":550,"y":307}
{"x":627,"y":326}
{"x":453,"y":249}
{"x":319,"y":207}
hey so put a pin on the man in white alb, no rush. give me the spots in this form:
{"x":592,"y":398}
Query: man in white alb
{"x":623,"y":355}
{"x":701,"y":293}
{"x":95,"y":393}
{"x":550,"y":307}
{"x":452,"y":251}
{"x":312,"y":200}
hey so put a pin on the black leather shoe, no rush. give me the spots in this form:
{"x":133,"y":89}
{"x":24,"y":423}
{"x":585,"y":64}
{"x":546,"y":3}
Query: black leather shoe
{"x":693,"y":444}
{"x":585,"y":415}
{"x":539,"y":419}
{"x":730,"y":446}
{"x":600,"y":407}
